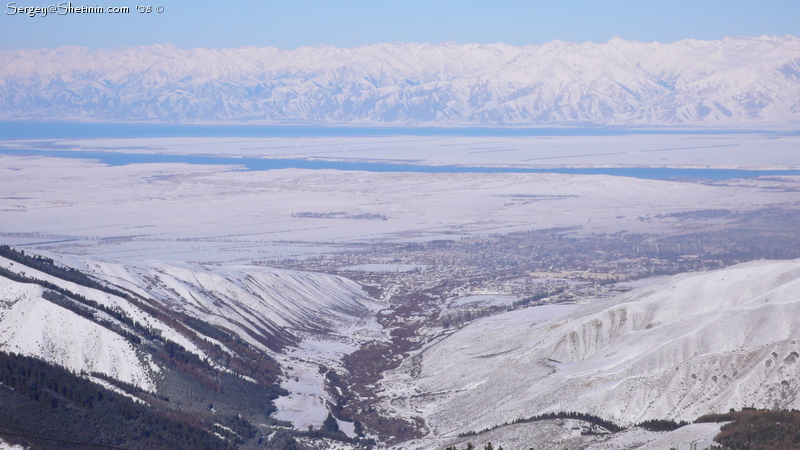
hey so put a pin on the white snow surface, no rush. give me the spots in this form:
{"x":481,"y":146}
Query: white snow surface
{"x":483,"y":300}
{"x":731,"y":81}
{"x":173,"y":212}
{"x":701,"y":434}
{"x":249,"y":300}
{"x":108,"y":300}
{"x":307,"y":403}
{"x":6,"y":446}
{"x":691,"y":344}
{"x":33,"y":326}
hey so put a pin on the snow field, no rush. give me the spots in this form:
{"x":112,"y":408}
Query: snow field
{"x":152,"y":212}
{"x":306,"y":404}
{"x":483,"y":300}
{"x":108,"y":300}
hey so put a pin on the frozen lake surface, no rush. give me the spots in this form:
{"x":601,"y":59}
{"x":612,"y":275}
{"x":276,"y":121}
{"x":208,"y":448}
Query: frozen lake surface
{"x":640,"y":153}
{"x":648,"y":173}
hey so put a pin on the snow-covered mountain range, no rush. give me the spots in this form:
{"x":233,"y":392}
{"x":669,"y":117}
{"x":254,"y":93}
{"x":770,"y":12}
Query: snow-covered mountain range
{"x":729,"y":82}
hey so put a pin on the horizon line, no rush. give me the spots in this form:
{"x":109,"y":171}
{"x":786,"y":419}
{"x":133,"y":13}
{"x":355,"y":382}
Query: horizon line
{"x":448,"y":43}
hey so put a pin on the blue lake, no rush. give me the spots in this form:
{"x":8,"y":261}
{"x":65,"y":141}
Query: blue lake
{"x":121,"y":159}
{"x":66,"y":130}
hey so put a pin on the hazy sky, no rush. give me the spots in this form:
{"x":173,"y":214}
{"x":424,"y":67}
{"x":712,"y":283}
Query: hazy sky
{"x":292,"y":24}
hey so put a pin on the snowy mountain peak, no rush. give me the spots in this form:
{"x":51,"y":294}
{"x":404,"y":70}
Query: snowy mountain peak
{"x":727,"y":82}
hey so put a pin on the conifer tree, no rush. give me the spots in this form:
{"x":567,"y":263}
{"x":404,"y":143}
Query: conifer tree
{"x":330,"y":424}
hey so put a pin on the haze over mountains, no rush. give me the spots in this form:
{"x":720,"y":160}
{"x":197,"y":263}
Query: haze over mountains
{"x":730,"y":82}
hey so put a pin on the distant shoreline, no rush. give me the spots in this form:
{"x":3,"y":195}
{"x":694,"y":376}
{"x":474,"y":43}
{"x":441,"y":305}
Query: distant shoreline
{"x":10,"y":129}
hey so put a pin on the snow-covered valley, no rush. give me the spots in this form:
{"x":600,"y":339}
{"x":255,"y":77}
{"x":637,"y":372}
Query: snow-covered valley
{"x":304,"y":320}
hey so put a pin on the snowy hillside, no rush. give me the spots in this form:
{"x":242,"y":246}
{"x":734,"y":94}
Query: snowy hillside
{"x":245,"y":319}
{"x":255,"y":302}
{"x":31,"y":325}
{"x":727,"y":82}
{"x":691,"y":344}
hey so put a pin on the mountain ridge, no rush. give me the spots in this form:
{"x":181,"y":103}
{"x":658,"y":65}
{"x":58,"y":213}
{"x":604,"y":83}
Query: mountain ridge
{"x":728,"y":82}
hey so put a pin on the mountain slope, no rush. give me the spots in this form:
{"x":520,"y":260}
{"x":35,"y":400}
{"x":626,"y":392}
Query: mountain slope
{"x":227,"y":336}
{"x":31,"y":325}
{"x":727,"y":82}
{"x":692,"y":344}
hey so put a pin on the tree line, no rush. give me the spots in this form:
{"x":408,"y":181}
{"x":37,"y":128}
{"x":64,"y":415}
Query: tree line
{"x":53,"y":408}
